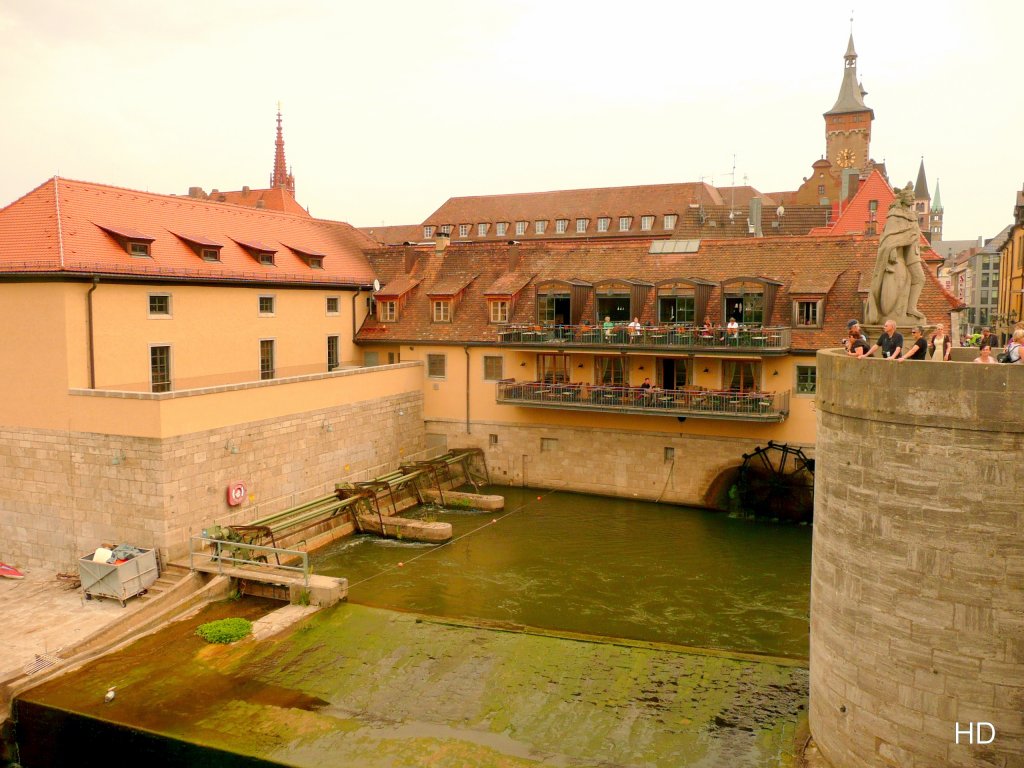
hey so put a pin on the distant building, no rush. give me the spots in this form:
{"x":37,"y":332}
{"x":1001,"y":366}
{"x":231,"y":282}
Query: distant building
{"x":1011,"y":270}
{"x":929,"y":217}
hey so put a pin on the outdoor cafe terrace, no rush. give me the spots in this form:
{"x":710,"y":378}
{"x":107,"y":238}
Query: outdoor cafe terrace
{"x":689,"y":401}
{"x":683,"y":338}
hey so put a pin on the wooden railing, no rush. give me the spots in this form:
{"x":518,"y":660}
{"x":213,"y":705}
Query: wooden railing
{"x":676,"y":337}
{"x":696,"y":402}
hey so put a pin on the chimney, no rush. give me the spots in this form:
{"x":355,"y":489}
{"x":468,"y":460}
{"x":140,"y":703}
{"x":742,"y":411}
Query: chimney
{"x":196,"y":192}
{"x":513,"y":255}
{"x":260,"y":203}
{"x":410,"y":258}
{"x":754,"y":222}
{"x":245,"y":191}
{"x":441,"y":241}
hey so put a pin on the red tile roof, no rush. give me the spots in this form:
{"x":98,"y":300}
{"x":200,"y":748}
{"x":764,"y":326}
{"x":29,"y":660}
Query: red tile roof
{"x":54,"y":228}
{"x":856,"y":214}
{"x":394,"y":235}
{"x":275,"y":199}
{"x":838,"y":261}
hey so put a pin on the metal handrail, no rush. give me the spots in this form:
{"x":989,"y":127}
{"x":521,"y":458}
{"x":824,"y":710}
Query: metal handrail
{"x":689,"y":401}
{"x":620,"y":335}
{"x":220,"y":545}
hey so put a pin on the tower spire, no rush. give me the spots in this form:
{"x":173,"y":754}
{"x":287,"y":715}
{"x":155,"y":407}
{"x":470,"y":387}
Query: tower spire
{"x":851,"y":92}
{"x":921,"y":187}
{"x":281,"y":177}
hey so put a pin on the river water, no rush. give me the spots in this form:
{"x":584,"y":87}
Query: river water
{"x":599,"y":566}
{"x":642,"y":635}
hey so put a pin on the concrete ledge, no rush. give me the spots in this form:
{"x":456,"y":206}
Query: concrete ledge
{"x":489,"y":502}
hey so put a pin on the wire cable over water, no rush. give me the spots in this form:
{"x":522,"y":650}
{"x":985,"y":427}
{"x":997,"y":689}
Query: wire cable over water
{"x":439,"y":547}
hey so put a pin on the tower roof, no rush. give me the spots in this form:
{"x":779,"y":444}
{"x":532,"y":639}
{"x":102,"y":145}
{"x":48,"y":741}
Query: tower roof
{"x":921,"y":187}
{"x":851,"y":94}
{"x":281,"y":177}
{"x":937,"y":200}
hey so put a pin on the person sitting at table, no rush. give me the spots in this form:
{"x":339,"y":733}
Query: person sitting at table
{"x":635,"y":329}
{"x":647,"y":384}
{"x":733,"y":327}
{"x":608,"y":326}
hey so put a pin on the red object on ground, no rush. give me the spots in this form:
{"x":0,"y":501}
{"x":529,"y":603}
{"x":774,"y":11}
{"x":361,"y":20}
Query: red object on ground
{"x":10,"y":572}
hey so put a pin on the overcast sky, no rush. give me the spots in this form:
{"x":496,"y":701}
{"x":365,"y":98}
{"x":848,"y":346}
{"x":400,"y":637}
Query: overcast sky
{"x":390,"y":108}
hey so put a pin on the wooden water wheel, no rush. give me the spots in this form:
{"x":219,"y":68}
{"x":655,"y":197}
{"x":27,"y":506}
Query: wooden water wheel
{"x":777,"y":482}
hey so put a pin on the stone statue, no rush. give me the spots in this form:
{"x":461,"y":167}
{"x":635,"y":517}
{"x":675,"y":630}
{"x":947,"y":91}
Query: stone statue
{"x":898,"y":277}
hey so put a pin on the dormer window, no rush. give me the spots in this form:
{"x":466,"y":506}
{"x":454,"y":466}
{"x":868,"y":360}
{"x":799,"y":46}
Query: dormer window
{"x":540,"y":226}
{"x":481,"y":230}
{"x":521,"y":227}
{"x":133,"y":242}
{"x":260,"y":252}
{"x":625,"y":222}
{"x":387,"y":311}
{"x":265,"y":258}
{"x":313,"y":259}
{"x":498,"y":310}
{"x":463,"y":230}
{"x":442,"y":310}
{"x":210,"y":254}
{"x":428,"y":232}
{"x":581,"y":225}
{"x":316,"y":262}
{"x":204,"y":248}
{"x":670,"y":220}
{"x":646,"y":223}
{"x":602,"y":223}
{"x":445,"y":230}
{"x":501,"y":228}
{"x":561,"y":225}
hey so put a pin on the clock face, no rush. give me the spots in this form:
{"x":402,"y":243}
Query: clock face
{"x":846,"y":158}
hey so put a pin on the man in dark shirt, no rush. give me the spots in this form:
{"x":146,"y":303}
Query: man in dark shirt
{"x":986,"y":338}
{"x":890,"y":342}
{"x":918,"y":350}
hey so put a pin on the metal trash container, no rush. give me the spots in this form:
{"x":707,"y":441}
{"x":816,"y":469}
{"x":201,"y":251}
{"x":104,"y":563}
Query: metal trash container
{"x":121,"y":581}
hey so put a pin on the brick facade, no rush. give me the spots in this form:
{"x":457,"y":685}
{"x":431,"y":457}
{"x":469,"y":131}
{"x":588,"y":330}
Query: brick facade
{"x":62,"y":494}
{"x":917,"y":616}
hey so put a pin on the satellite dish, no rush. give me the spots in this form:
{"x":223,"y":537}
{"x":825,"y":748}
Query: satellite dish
{"x":376,"y":285}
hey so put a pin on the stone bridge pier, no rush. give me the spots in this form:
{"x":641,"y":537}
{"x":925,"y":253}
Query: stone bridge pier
{"x":917,"y":593}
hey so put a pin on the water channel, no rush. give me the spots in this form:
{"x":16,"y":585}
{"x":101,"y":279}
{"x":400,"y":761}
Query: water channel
{"x":571,"y":630}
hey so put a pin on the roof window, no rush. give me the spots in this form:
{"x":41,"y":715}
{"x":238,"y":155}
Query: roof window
{"x":133,"y":242}
{"x":261,"y":252}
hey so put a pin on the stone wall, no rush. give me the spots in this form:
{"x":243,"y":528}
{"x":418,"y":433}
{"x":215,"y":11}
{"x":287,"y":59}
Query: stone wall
{"x":605,"y":462}
{"x":917,"y":594}
{"x":63,"y":493}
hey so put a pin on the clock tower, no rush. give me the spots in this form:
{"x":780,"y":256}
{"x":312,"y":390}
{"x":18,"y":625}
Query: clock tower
{"x":848,"y":123}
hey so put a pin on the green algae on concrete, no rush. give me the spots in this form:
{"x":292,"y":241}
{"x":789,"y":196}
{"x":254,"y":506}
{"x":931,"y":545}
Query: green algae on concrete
{"x":361,"y":686}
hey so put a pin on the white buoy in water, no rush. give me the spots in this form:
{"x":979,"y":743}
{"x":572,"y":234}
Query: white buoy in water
{"x":110,"y":695}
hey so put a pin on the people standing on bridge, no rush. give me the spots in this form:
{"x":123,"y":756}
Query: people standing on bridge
{"x":890,"y":342}
{"x":986,"y":338}
{"x":986,"y":355}
{"x":940,"y":345}
{"x":855,"y":343}
{"x":1013,"y":349}
{"x":918,"y":350}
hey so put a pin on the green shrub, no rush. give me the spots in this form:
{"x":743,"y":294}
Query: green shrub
{"x":224,"y":630}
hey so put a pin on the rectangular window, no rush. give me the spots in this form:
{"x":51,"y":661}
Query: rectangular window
{"x":807,"y":314}
{"x":614,"y":306}
{"x":332,"y":353}
{"x":315,"y":262}
{"x":209,"y":254}
{"x":806,"y":379}
{"x":611,"y":371}
{"x":266,"y":259}
{"x":160,"y":369}
{"x":159,"y":305}
{"x":670,"y":454}
{"x":548,"y":444}
{"x":387,"y":311}
{"x":333,"y":305}
{"x":540,"y":226}
{"x":499,"y":311}
{"x":463,"y":230}
{"x":492,"y":439}
{"x":428,"y":232}
{"x":553,"y":368}
{"x":984,"y":280}
{"x":446,"y":230}
{"x":501,"y":228}
{"x":442,"y":311}
{"x":481,"y":230}
{"x":561,"y":225}
{"x":371,"y":359}
{"x":646,"y":222}
{"x":625,"y":222}
{"x":266,"y":305}
{"x":581,"y":225}
{"x":494,"y":367}
{"x":266,"y":358}
{"x":553,"y":308}
{"x":394,"y":357}
{"x":670,"y":220}
{"x":436,"y":366}
{"x":741,"y":375}
{"x":520,"y":227}
{"x":676,"y":309}
{"x":602,"y":224}
{"x":141,"y":250}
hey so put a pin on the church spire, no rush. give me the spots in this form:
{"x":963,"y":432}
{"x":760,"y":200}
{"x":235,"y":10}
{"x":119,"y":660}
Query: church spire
{"x":937,"y":200}
{"x":851,"y":92}
{"x":281,"y":177}
{"x":921,"y":187}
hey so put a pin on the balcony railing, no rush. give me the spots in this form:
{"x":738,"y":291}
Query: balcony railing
{"x":695,"y":402}
{"x":760,"y":339}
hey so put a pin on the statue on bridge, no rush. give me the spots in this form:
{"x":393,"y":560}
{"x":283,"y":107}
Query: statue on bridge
{"x":898,"y":277}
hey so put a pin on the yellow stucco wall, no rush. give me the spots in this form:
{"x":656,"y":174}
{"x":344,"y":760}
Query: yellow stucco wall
{"x":445,"y":398}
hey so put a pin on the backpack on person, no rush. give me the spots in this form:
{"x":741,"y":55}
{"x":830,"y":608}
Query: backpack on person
{"x":1007,"y":356}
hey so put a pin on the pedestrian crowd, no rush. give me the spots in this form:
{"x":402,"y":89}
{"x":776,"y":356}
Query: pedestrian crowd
{"x":936,"y":347}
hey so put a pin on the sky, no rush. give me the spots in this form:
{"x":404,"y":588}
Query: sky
{"x":390,"y":108}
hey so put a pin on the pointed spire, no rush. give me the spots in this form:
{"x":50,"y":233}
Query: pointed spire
{"x":921,"y":187}
{"x":937,"y":200}
{"x":281,"y":177}
{"x":851,"y":92}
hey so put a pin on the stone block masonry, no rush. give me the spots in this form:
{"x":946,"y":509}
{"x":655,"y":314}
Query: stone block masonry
{"x":917,"y":591}
{"x":62,"y":494}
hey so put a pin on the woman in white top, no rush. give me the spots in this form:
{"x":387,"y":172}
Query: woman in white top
{"x":940,"y":346}
{"x":732,"y":327}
